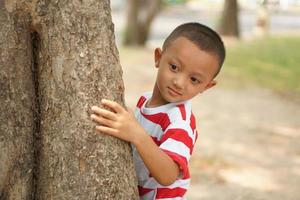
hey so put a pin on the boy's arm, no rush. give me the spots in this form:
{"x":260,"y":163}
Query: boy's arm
{"x":122,"y":124}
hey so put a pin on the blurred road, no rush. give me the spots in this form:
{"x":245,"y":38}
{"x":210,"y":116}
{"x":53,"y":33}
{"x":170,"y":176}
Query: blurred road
{"x":169,"y":18}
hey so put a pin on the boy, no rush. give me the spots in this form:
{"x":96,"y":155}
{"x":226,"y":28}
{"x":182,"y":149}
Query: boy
{"x":163,"y":130}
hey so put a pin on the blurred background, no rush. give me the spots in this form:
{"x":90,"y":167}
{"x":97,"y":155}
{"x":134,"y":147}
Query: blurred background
{"x":249,"y":124}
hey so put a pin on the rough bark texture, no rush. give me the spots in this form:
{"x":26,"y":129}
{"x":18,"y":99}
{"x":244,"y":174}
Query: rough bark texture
{"x":16,"y":106}
{"x":229,"y":25}
{"x":70,"y":46}
{"x":140,"y":15}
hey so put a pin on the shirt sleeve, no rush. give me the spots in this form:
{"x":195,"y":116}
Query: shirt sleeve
{"x":178,"y":143}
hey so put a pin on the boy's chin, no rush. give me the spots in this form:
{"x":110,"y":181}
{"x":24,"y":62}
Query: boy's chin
{"x":172,"y":100}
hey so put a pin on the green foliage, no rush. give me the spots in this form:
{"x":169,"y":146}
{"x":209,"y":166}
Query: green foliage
{"x":173,"y":2}
{"x":270,"y":62}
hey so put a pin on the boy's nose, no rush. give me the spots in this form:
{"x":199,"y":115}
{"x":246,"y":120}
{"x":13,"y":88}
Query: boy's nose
{"x":179,"y":83}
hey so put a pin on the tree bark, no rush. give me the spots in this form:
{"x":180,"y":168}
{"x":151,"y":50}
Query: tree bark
{"x":140,"y":16}
{"x":17,"y":110}
{"x":71,"y":50}
{"x":229,"y":25}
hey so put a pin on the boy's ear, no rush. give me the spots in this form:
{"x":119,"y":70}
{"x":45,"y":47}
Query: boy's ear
{"x":210,"y":85}
{"x":157,"y":56}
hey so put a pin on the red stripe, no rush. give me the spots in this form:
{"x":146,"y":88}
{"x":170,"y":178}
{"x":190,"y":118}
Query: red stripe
{"x":178,"y":135}
{"x":193,"y":126}
{"x":182,"y":161}
{"x":170,"y":193}
{"x":193,"y":121}
{"x":143,"y":191}
{"x":141,"y":101}
{"x":182,"y":111}
{"x":161,"y":119}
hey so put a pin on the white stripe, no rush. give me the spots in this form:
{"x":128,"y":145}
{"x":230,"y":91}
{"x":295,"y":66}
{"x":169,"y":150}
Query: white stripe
{"x":176,"y":147}
{"x":151,"y":128}
{"x":140,"y":167}
{"x":149,"y":196}
{"x":151,"y":183}
{"x":175,"y":115}
{"x":160,"y":109}
{"x":182,"y":183}
{"x":186,"y":127}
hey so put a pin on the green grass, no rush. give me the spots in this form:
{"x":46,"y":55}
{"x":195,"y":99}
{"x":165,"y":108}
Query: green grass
{"x":270,"y":62}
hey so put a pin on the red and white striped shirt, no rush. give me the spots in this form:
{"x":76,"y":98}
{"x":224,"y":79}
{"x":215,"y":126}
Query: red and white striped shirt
{"x":173,"y":128}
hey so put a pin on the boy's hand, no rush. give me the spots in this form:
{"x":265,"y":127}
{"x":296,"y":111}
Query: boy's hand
{"x":119,"y":122}
{"x":122,"y":124}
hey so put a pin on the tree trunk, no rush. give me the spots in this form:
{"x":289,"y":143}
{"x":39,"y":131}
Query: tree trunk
{"x":229,"y":25}
{"x":69,"y":45}
{"x":17,"y":113}
{"x":262,"y":20}
{"x":140,"y":16}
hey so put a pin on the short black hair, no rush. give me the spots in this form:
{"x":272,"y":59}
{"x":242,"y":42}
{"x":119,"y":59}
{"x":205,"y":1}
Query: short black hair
{"x":202,"y":36}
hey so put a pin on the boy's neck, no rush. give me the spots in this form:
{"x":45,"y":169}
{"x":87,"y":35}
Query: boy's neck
{"x":156,"y":99}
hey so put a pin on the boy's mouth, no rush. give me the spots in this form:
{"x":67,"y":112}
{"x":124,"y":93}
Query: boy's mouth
{"x":173,"y":92}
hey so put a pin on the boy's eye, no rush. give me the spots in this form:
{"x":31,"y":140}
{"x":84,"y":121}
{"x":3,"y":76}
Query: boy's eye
{"x":194,"y":80}
{"x":173,"y":67}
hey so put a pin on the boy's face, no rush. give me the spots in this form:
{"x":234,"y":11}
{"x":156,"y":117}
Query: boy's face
{"x":184,"y":70}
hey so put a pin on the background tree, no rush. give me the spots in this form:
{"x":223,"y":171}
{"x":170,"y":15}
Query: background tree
{"x":262,"y":19}
{"x":140,"y":15}
{"x":229,"y":24}
{"x":57,"y":59}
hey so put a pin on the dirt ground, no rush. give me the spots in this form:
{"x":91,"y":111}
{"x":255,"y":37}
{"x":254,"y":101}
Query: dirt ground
{"x":248,"y":145}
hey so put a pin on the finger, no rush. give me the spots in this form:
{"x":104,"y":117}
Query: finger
{"x":102,"y":121}
{"x":113,"y":105}
{"x":104,"y":113}
{"x":107,"y":130}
